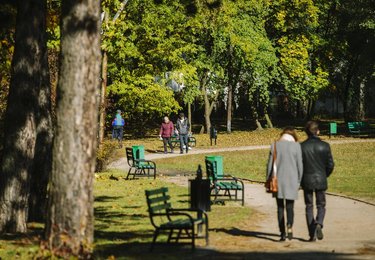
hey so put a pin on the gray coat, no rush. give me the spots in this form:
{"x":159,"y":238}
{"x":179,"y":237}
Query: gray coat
{"x":289,"y":168}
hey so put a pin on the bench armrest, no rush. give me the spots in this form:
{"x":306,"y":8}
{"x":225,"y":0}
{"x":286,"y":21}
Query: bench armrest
{"x":189,"y":210}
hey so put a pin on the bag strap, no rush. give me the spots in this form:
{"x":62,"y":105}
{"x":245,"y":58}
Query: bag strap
{"x":274,"y":157}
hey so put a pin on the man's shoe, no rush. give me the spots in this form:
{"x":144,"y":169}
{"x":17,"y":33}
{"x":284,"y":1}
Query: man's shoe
{"x":290,"y":232}
{"x":319,"y":232}
{"x":181,"y":152}
{"x":312,"y":239}
{"x":172,"y":151}
{"x":282,"y":237}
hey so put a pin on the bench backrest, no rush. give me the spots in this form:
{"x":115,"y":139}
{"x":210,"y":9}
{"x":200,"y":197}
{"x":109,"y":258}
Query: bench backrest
{"x":158,"y":202}
{"x":211,"y":170}
{"x":129,"y":156}
{"x":357,"y":125}
{"x":353,"y":125}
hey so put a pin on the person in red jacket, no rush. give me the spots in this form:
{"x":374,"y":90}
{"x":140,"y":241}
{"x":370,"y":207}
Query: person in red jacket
{"x":166,"y":131}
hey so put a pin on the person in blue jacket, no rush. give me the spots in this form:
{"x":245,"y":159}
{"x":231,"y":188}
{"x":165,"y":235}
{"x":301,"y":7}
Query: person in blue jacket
{"x":118,"y":127}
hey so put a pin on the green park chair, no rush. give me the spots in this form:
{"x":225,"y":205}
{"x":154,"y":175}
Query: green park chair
{"x":179,"y":224}
{"x":224,"y":187}
{"x":139,"y":166}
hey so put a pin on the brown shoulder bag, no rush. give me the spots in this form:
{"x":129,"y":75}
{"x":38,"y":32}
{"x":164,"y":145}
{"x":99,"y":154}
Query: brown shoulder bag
{"x":271,"y":183}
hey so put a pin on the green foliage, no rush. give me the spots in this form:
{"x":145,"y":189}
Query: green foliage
{"x":292,"y":25}
{"x":142,"y":105}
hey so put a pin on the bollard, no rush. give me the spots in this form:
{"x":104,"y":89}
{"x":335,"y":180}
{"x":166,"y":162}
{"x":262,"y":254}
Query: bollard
{"x":213,"y":134}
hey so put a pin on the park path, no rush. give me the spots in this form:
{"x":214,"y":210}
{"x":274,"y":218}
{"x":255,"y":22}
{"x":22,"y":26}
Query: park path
{"x":349,"y":231}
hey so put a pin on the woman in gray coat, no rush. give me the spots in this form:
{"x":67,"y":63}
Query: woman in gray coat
{"x":289,"y":170}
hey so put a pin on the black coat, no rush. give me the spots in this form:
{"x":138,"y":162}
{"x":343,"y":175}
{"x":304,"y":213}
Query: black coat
{"x":317,"y":164}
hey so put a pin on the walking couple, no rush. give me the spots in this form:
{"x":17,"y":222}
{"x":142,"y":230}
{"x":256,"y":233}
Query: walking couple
{"x":307,"y":165}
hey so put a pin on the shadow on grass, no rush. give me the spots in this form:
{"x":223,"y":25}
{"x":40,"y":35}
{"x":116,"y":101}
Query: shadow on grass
{"x":107,"y":198}
{"x":138,"y":250}
{"x":32,"y":236}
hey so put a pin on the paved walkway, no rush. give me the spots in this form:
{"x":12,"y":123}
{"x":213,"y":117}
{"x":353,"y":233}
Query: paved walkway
{"x":349,"y":231}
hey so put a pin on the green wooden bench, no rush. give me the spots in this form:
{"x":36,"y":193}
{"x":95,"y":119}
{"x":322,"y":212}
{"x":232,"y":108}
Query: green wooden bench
{"x":225,"y":187}
{"x":192,"y":142}
{"x":359,"y":128}
{"x":164,"y":218}
{"x":139,"y":167}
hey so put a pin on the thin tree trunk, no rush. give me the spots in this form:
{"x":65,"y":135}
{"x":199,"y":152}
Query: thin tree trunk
{"x":207,"y":113}
{"x":256,"y":118}
{"x":269,"y":122}
{"x":189,"y":116}
{"x":20,"y":119}
{"x":208,"y":107}
{"x":69,"y":227}
{"x":361,"y":101}
{"x":102,"y":104}
{"x":229,"y":108}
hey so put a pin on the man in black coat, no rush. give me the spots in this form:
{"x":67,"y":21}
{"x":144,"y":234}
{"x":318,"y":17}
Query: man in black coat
{"x":317,"y":166}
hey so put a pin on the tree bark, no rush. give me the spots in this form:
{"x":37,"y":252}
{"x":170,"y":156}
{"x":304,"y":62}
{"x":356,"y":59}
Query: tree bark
{"x":21,"y":120}
{"x":189,"y":116}
{"x":42,"y":163}
{"x":69,"y":225}
{"x":229,"y":108}
{"x":102,"y":104}
{"x":269,"y":122}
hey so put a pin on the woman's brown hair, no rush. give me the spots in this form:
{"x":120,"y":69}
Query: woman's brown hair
{"x":290,"y":131}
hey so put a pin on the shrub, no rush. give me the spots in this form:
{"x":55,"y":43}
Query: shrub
{"x":104,"y":154}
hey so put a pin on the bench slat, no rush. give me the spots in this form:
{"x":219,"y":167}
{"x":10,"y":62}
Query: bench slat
{"x":156,"y":191}
{"x":160,"y":207}
{"x":159,"y":199}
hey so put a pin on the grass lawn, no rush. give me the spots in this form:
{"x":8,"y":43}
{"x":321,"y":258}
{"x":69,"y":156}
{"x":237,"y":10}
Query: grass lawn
{"x":237,"y":138}
{"x":353,"y":174}
{"x":122,"y":226}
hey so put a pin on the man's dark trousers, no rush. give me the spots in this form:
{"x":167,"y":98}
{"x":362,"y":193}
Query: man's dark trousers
{"x":320,"y":197}
{"x":184,"y":141}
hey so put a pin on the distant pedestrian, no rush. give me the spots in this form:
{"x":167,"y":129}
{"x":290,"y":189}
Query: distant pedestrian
{"x":118,"y":124}
{"x":166,"y":131}
{"x":183,"y":127}
{"x":317,"y":167}
{"x":289,"y":174}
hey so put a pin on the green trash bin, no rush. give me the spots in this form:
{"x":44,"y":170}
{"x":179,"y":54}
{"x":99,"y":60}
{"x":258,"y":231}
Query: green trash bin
{"x":138,"y":152}
{"x":332,"y":128}
{"x":219,"y":164}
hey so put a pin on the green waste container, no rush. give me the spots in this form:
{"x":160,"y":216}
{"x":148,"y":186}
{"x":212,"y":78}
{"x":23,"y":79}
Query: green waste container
{"x":219,"y":164}
{"x":332,"y":128}
{"x":138,"y":152}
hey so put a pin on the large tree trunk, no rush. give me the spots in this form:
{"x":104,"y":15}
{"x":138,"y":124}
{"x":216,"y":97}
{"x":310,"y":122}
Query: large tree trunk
{"x":69,"y":226}
{"x":102,"y":104}
{"x":20,"y":119}
{"x":42,"y":164}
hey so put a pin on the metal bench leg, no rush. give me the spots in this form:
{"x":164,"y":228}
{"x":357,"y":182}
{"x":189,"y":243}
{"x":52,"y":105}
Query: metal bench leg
{"x":156,"y":233}
{"x":206,"y":222}
{"x":127,"y":177}
{"x":193,"y":238}
{"x":170,"y":236}
{"x":243,"y":195}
